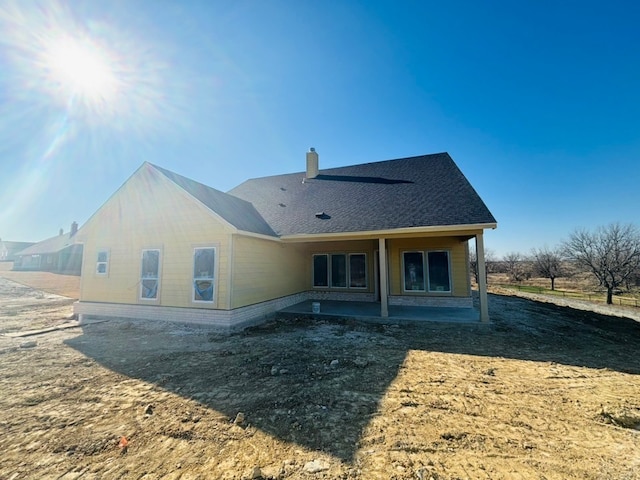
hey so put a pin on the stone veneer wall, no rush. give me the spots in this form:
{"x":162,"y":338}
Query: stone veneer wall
{"x":223,"y":320}
{"x":416,"y":301}
{"x":240,"y":318}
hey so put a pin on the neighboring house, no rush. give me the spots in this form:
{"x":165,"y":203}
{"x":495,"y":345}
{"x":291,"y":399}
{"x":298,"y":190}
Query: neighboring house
{"x":8,"y":249}
{"x":59,"y":254}
{"x":393,"y":232}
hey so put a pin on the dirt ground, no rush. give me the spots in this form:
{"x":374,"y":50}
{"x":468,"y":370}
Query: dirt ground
{"x":545,"y":392}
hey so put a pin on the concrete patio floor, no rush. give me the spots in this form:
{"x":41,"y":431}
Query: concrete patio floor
{"x":371,"y":311}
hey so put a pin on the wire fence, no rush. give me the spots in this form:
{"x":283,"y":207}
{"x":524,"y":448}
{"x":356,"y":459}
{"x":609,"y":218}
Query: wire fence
{"x":623,"y":301}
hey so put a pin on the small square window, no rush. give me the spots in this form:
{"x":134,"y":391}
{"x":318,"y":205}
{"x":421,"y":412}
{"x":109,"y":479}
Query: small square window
{"x":102,"y":263}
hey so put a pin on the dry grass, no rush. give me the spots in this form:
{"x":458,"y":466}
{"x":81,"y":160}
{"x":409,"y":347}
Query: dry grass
{"x":65,"y":285}
{"x":578,"y":287}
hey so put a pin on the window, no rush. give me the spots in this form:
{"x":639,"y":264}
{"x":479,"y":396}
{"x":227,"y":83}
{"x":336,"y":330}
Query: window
{"x":339,"y":270}
{"x":358,"y":270}
{"x":150,"y":274}
{"x":439,"y":272}
{"x":321,"y":270}
{"x":438,"y":278}
{"x":203,"y":274}
{"x":413,"y":271}
{"x":102,"y":264}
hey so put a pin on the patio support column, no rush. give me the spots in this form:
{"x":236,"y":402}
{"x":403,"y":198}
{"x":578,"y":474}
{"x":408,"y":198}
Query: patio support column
{"x":382,"y":262}
{"x":482,"y":278}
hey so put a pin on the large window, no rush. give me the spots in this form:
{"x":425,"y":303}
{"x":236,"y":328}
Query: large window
{"x":339,"y":270}
{"x":438,"y":265}
{"x":358,"y":270}
{"x":435,"y":263}
{"x":321,"y":270}
{"x":203,"y":274}
{"x":149,"y":281}
{"x":414,"y":271}
{"x":102,"y":262}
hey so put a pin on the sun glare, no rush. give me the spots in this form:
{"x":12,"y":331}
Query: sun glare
{"x":97,"y":75}
{"x":81,"y":69}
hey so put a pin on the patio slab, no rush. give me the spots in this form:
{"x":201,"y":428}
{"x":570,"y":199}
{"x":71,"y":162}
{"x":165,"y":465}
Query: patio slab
{"x":370,"y":311}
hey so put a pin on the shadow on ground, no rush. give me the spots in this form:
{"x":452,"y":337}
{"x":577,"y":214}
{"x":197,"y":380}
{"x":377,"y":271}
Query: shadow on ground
{"x":318,"y":384}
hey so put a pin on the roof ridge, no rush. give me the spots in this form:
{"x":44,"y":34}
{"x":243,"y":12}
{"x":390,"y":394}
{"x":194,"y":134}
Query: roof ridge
{"x":248,"y":220}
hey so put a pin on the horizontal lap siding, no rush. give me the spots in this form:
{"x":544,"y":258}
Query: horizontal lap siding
{"x":264,"y":270}
{"x":457,"y":256}
{"x":151,"y":212}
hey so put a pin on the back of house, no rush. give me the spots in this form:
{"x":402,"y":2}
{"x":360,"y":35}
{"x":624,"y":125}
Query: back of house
{"x":391,"y":233}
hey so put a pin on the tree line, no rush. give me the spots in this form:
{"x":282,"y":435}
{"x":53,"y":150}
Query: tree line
{"x":611,"y":254}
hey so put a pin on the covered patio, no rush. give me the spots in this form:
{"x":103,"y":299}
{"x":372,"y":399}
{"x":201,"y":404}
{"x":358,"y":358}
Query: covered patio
{"x":370,"y":311}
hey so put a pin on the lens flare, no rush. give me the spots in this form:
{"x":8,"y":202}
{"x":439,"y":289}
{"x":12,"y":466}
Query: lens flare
{"x":73,"y":85}
{"x":83,"y":70}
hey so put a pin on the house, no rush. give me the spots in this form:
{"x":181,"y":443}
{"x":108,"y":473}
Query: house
{"x":9,"y":249}
{"x":393,"y":232}
{"x":59,"y":254}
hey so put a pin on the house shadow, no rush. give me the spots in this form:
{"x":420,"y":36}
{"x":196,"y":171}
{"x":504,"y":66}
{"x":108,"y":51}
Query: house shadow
{"x":360,"y":179}
{"x":318,"y":384}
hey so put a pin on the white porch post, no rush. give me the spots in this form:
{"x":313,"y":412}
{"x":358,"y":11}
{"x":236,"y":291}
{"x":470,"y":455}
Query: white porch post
{"x":482,"y":278}
{"x":382,"y":263}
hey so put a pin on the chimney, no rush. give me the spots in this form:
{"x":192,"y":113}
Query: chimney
{"x":74,"y":229}
{"x":61,"y":232}
{"x":312,"y":163}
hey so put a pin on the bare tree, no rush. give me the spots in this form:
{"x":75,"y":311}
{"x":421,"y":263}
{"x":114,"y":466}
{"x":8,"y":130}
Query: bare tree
{"x":489,"y":261}
{"x":516,"y":266}
{"x":548,"y":264}
{"x":611,"y":253}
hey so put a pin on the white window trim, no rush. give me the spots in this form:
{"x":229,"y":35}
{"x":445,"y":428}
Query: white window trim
{"x":159,"y":275}
{"x":348,"y":271}
{"x":313,"y":270}
{"x":105,"y":263}
{"x":425,"y":272}
{"x":429,"y":273}
{"x":213,"y":279}
{"x":366,"y":271}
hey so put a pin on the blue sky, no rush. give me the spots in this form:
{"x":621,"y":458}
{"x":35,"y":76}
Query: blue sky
{"x":537,"y":102}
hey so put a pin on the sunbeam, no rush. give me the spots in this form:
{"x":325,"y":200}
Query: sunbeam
{"x":72,"y":88}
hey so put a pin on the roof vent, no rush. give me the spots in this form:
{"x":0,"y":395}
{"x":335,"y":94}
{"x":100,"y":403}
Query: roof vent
{"x":322,"y":216}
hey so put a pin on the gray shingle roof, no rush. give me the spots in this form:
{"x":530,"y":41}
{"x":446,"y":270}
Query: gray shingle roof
{"x":428,"y":190}
{"x":236,"y":211}
{"x":50,"y":245}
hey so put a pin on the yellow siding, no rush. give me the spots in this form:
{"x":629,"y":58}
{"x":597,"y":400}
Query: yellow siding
{"x":264,"y":270}
{"x":149,"y":211}
{"x":457,"y":257}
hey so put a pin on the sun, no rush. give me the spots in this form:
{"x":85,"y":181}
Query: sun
{"x":83,"y":74}
{"x":82,"y":70}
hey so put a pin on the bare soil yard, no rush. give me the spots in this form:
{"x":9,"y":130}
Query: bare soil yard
{"x":548,"y":392}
